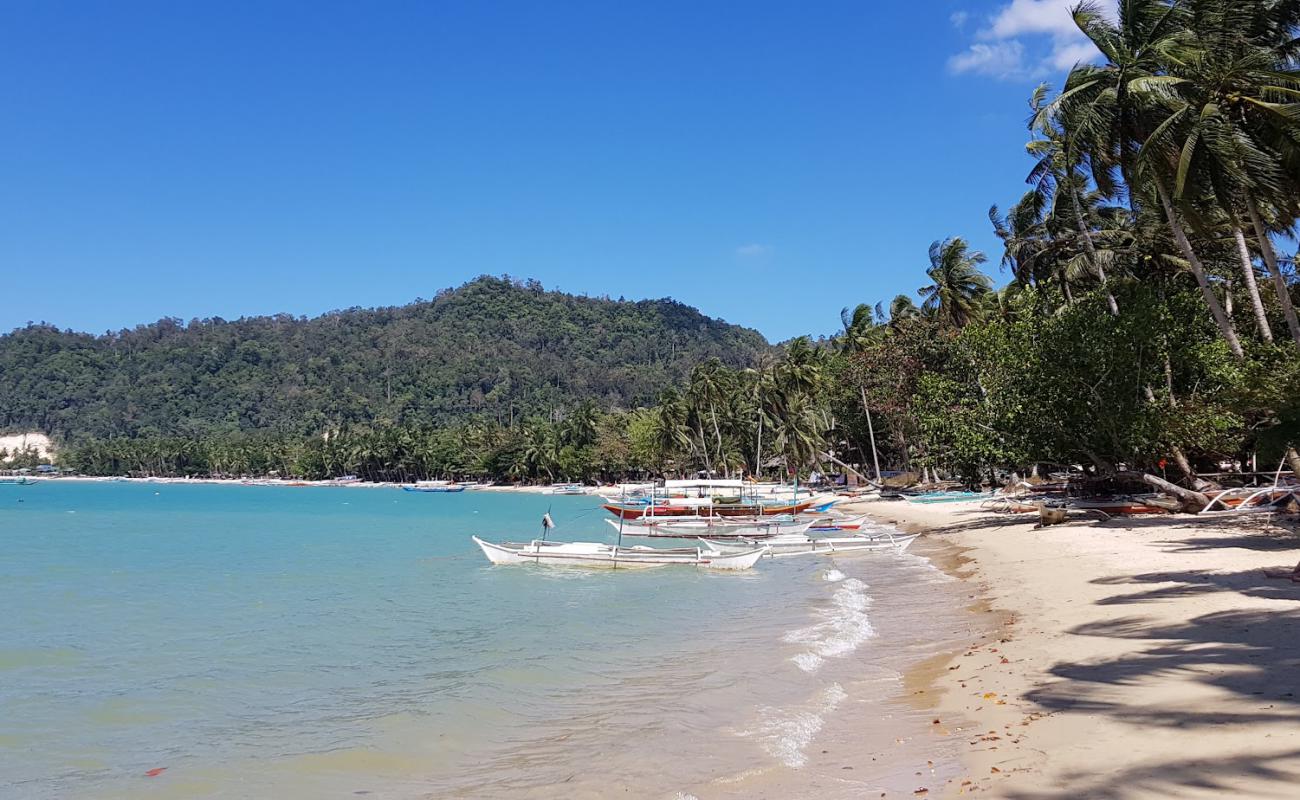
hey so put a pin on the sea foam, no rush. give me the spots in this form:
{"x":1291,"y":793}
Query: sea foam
{"x":842,"y":628}
{"x":786,"y":733}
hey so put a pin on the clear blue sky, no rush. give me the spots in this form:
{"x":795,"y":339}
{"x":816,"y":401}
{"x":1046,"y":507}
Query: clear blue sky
{"x":766,"y":162}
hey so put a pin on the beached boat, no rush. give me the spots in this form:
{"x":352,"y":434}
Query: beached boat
{"x":723,"y":528}
{"x":608,"y":556}
{"x":795,"y":545}
{"x":1251,"y":500}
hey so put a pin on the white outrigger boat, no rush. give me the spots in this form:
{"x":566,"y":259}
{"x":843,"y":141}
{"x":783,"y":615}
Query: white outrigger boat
{"x":717,"y":528}
{"x":799,"y":545}
{"x":608,"y":556}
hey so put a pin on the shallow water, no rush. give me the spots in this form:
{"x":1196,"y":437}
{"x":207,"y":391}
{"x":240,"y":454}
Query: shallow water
{"x":343,"y":642}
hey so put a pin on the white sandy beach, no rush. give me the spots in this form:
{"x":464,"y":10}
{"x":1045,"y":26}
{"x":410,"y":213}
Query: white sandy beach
{"x":1137,"y":658}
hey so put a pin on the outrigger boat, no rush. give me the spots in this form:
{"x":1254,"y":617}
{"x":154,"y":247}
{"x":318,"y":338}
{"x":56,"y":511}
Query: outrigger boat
{"x":725,"y":528}
{"x":639,"y":510}
{"x":792,"y":545}
{"x":832,"y":524}
{"x":608,"y":556}
{"x":1251,"y":500}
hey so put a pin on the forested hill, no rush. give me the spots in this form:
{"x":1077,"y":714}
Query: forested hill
{"x":493,"y":346}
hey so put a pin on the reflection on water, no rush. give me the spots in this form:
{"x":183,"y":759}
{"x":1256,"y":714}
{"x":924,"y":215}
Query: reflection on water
{"x":337,"y":642}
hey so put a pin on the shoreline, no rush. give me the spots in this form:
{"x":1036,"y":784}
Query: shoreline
{"x":1117,"y":647}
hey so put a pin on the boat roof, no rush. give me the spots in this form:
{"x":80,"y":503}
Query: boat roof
{"x":705,"y":484}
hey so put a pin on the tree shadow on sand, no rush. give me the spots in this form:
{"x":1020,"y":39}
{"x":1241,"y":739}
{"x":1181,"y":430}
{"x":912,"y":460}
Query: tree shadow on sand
{"x":1207,"y":778}
{"x":1250,"y":654}
{"x":1191,"y":583}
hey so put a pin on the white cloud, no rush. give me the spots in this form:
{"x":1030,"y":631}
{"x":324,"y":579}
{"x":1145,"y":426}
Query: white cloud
{"x":753,"y":250}
{"x":1005,"y":60}
{"x":1026,"y":39}
{"x":959,"y":19}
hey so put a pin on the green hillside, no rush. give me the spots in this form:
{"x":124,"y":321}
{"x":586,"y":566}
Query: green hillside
{"x":494,"y":347}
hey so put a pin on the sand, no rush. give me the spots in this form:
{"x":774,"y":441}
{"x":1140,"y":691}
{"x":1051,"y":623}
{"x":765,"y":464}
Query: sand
{"x":1136,"y":658}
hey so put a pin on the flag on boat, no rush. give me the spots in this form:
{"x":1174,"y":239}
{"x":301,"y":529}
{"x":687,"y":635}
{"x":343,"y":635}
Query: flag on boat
{"x":547,"y":522}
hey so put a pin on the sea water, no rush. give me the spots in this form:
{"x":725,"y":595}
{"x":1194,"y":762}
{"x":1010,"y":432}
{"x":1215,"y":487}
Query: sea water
{"x":176,"y":641}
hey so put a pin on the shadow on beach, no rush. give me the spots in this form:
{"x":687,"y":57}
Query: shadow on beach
{"x":1250,"y":658}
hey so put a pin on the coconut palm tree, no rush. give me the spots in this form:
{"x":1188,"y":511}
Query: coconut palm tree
{"x":1117,"y":119}
{"x":958,"y":285}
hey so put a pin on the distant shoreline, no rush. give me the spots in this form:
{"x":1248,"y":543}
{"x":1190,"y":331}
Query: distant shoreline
{"x":271,"y":483}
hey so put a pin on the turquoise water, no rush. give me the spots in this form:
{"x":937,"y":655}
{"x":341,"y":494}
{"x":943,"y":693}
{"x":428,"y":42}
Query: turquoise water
{"x":342,"y":642}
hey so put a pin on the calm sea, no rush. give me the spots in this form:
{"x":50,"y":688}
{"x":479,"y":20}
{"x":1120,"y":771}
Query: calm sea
{"x":352,"y":642}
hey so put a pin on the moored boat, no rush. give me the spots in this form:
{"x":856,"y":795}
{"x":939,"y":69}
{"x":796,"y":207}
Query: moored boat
{"x":724,"y":528}
{"x":796,"y":545}
{"x":608,"y":556}
{"x":639,"y":510}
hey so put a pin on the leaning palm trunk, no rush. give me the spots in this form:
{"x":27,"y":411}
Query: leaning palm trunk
{"x":1270,"y":259}
{"x":1293,"y":459}
{"x":1248,"y":272}
{"x":1092,"y":254}
{"x":1198,"y":269}
{"x":871,"y":431}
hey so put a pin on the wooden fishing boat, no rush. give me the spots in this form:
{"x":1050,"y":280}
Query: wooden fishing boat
{"x":794,"y":545}
{"x":724,"y":528}
{"x":608,"y":556}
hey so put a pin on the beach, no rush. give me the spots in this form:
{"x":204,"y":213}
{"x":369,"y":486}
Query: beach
{"x":1132,"y":658}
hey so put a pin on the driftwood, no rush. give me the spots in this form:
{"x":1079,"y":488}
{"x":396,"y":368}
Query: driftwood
{"x":1192,"y":501}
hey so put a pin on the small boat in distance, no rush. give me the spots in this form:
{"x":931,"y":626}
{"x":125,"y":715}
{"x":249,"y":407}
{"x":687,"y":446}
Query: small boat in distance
{"x":16,"y":480}
{"x":568,"y":489}
{"x":608,"y":556}
{"x":436,"y":487}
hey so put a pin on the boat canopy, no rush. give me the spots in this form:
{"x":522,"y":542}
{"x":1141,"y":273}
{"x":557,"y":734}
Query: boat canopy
{"x":706,"y":485}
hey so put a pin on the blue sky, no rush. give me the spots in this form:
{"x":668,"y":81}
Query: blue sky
{"x":766,"y":162}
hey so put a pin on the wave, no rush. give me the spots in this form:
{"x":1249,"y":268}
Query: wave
{"x":786,"y":733}
{"x":844,"y":626}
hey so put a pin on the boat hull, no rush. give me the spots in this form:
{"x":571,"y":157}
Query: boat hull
{"x":803,"y":546}
{"x":711,"y":529}
{"x":593,"y":555}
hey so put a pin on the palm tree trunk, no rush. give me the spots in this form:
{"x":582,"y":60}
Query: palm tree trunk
{"x":758,"y":449}
{"x":1092,"y":253}
{"x":1270,"y":259}
{"x":1293,"y":459}
{"x":1248,"y":272}
{"x":871,"y":431}
{"x":1198,"y":269}
{"x":713,"y":412}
